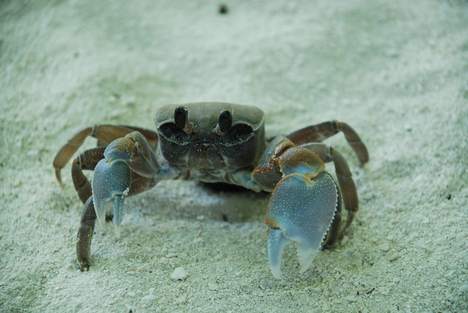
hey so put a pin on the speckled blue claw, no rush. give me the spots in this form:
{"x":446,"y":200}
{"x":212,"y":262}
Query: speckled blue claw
{"x":301,"y":211}
{"x":111,"y":182}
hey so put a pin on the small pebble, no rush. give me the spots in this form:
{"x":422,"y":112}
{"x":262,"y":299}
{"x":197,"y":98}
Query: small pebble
{"x":112,"y":99}
{"x":128,"y":100}
{"x":393,"y":257}
{"x":149,"y":298}
{"x":421,"y":243}
{"x":385,"y":247}
{"x":179,"y":274}
{"x":383,"y":290}
{"x":351,"y":298}
{"x":180,"y":300}
{"x":463,"y":288}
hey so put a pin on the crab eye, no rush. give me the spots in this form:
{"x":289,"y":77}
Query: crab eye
{"x":173,"y":133}
{"x":240,"y":132}
{"x":225,"y":121}
{"x":237,"y":134}
{"x":180,"y":117}
{"x":177,"y":132}
{"x":239,"y":145}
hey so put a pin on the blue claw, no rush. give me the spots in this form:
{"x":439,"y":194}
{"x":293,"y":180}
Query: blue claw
{"x":111,"y":181}
{"x":300,"y":210}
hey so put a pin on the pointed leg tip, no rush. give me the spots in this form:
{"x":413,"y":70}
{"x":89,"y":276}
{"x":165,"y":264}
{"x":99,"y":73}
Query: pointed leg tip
{"x":58,"y":176}
{"x":84,"y":267}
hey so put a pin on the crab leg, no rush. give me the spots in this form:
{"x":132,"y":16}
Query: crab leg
{"x":85,"y":161}
{"x":85,"y":235}
{"x":322,"y":131}
{"x":344,"y":176}
{"x":104,"y":133}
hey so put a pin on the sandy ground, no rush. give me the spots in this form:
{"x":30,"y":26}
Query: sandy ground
{"x":397,"y":71}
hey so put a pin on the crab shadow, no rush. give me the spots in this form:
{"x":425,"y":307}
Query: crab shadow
{"x":188,"y":200}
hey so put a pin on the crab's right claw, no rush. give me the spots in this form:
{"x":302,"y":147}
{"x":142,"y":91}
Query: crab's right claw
{"x":300,"y":210}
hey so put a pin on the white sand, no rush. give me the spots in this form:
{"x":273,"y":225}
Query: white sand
{"x":395,"y":70}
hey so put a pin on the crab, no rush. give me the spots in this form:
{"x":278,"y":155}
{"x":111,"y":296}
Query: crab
{"x":221,"y":143}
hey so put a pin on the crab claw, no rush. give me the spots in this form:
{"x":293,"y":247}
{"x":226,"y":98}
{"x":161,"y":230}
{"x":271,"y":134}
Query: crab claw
{"x":300,"y":210}
{"x":111,"y":181}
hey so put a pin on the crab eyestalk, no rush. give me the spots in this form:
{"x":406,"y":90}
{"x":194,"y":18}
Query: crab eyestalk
{"x":225,"y":122}
{"x":180,"y":116}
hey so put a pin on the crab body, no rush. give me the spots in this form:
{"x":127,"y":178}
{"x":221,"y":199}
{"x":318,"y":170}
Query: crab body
{"x":221,"y":142}
{"x":201,"y":149}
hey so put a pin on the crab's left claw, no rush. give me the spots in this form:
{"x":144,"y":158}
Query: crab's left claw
{"x":111,"y":181}
{"x":301,"y":210}
{"x":113,"y":175}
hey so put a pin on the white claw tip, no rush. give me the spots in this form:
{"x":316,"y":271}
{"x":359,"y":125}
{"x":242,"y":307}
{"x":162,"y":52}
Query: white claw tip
{"x":117,"y":231}
{"x":276,"y":244}
{"x":306,"y":257}
{"x":276,"y":271}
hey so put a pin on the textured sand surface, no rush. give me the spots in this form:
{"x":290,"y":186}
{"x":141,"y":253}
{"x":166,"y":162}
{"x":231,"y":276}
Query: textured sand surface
{"x":397,"y":71}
